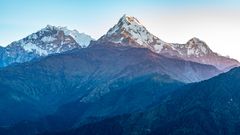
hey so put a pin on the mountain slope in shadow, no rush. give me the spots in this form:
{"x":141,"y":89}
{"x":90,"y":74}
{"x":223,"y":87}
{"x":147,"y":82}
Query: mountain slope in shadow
{"x":210,"y":107}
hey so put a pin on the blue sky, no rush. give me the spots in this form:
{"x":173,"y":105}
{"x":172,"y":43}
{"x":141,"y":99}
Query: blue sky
{"x":214,"y":21}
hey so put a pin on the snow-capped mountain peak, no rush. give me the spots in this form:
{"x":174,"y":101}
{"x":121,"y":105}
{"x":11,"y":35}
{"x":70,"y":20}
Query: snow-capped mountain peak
{"x":50,"y":27}
{"x":126,"y":23}
{"x":130,"y":20}
{"x":52,"y":39}
{"x":197,"y":47}
{"x":194,"y":47}
{"x":49,"y":40}
{"x":129,"y":31}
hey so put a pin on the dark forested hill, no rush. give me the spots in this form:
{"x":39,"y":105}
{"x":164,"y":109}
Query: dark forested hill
{"x":211,"y":107}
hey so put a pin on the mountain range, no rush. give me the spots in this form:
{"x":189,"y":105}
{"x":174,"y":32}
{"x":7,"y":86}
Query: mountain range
{"x":129,"y":31}
{"x":60,"y":81}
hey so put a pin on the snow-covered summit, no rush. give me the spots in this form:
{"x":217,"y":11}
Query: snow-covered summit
{"x":197,"y":47}
{"x":52,"y":39}
{"x":194,"y":47}
{"x":130,"y":19}
{"x":129,"y":31}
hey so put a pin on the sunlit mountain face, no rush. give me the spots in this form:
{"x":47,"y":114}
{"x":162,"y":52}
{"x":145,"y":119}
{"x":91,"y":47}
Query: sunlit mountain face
{"x":128,"y":82}
{"x":129,"y":31}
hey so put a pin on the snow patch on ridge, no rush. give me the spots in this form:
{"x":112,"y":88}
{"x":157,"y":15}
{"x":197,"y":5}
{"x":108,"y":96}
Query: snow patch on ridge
{"x":48,"y":39}
{"x":30,"y":47}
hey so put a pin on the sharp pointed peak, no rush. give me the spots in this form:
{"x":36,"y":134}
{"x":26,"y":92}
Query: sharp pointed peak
{"x":49,"y":26}
{"x":129,"y":31}
{"x":129,"y":19}
{"x":52,"y":27}
{"x":195,"y":40}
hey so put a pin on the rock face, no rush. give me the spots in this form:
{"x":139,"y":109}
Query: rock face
{"x":49,"y":40}
{"x":130,"y":32}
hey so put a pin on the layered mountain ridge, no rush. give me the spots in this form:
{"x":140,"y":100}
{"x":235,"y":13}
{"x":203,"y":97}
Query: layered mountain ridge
{"x":87,"y":75}
{"x":66,"y":80}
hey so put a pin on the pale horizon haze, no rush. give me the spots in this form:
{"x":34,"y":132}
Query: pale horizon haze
{"x":217,"y":22}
